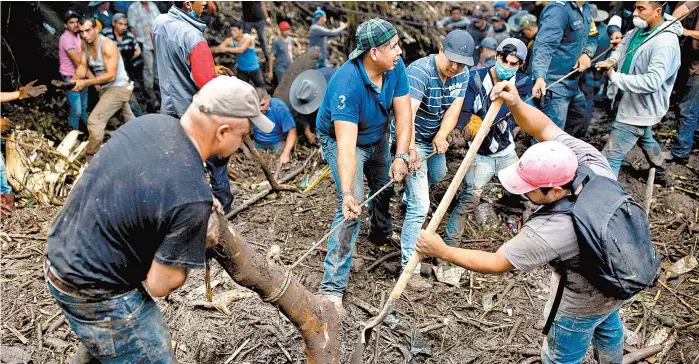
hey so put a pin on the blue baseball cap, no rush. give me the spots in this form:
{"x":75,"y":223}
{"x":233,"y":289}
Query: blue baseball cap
{"x":501,"y":5}
{"x":458,"y":47}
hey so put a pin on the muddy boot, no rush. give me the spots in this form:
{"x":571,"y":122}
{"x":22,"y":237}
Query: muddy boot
{"x":418,"y":284}
{"x":337,"y":302}
{"x":82,"y":356}
{"x":662,"y":177}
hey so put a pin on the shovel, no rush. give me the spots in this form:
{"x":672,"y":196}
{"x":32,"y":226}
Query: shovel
{"x":432,"y":227}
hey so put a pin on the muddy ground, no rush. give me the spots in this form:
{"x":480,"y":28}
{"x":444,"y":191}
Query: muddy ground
{"x":469,"y":323}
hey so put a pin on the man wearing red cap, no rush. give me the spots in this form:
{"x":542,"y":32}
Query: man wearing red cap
{"x":282,"y":52}
{"x":545,"y":174}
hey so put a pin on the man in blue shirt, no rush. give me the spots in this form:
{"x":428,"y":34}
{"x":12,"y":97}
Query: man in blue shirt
{"x":498,"y":148}
{"x":352,"y":124}
{"x":567,"y":39}
{"x":437,"y":88}
{"x":283,"y":137}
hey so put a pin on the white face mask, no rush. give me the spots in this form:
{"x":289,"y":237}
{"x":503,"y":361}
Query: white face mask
{"x":639,"y":23}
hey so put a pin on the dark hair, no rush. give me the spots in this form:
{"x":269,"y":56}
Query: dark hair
{"x":455,"y":8}
{"x":568,"y":186}
{"x":70,"y":14}
{"x":236,"y":24}
{"x":90,"y":19}
{"x":658,"y":4}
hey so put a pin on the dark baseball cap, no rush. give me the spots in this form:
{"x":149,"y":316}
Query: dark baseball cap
{"x":70,"y":14}
{"x":514,"y":47}
{"x":490,"y":43}
{"x":458,"y":47}
{"x":477,"y":15}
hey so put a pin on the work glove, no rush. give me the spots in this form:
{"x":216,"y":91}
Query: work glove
{"x":29,"y":90}
{"x":223,"y":71}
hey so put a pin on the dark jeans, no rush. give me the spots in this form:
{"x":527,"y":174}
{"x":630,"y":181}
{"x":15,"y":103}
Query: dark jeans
{"x":567,"y":112}
{"x":260,"y":28}
{"x":127,"y":328}
{"x":220,"y":185}
{"x":254,"y":78}
{"x":373,"y":162}
{"x":689,"y":114}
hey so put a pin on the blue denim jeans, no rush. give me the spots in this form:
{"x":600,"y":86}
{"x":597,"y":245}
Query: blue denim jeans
{"x":567,"y":112}
{"x":417,"y":196}
{"x":276,"y":148}
{"x":4,"y":183}
{"x":622,"y":139}
{"x":220,"y":185}
{"x":570,"y":336}
{"x":689,"y":114}
{"x":481,"y":171}
{"x":127,"y":328}
{"x":78,"y":108}
{"x":373,"y":162}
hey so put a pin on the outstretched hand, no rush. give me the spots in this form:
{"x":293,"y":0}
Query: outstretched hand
{"x":29,"y":90}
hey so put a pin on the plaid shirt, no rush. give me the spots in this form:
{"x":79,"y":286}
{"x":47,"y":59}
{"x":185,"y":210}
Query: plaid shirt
{"x":140,"y":21}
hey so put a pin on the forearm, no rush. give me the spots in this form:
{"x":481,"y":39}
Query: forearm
{"x":80,"y":73}
{"x":534,"y":122}
{"x":271,"y":64}
{"x":450,"y":119}
{"x":9,"y":96}
{"x":290,"y":141}
{"x":691,"y":33}
{"x":476,"y":260}
{"x":404,"y":123}
{"x":101,"y":79}
{"x":346,"y":165}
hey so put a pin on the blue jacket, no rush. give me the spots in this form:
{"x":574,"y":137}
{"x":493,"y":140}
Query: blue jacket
{"x":565,"y":32}
{"x":174,"y":35}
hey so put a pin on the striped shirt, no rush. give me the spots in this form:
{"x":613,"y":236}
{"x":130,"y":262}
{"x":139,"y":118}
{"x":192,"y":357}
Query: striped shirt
{"x":436,"y":96}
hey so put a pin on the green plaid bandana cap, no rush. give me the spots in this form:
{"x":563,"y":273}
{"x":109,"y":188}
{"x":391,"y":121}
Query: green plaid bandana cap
{"x":371,"y":34}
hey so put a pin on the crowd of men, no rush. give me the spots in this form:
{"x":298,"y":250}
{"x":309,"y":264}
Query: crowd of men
{"x":136,"y":221}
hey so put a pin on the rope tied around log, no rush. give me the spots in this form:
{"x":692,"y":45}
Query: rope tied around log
{"x":280,"y":292}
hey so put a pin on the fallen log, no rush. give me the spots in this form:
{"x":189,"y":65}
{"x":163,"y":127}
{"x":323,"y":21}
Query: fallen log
{"x":638,"y":355}
{"x":268,"y":173}
{"x":314,"y":315}
{"x":260,"y":195}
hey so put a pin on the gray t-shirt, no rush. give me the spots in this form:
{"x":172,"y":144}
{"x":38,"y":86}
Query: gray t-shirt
{"x":547,"y":238}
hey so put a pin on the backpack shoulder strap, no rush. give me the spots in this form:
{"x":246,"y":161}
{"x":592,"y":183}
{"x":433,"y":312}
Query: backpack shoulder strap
{"x":560,"y":269}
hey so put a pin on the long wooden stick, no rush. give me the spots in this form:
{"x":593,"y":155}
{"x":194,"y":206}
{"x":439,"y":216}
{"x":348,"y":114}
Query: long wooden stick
{"x":431,"y":228}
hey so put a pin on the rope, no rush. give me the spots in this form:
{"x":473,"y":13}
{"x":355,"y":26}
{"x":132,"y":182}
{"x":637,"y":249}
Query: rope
{"x":277,"y":295}
{"x":321,"y":240}
{"x":605,"y":52}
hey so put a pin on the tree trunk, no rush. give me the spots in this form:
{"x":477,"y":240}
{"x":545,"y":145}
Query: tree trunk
{"x":314,"y":316}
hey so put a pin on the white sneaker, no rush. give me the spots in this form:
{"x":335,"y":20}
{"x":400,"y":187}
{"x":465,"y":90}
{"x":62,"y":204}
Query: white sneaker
{"x":337,"y":302}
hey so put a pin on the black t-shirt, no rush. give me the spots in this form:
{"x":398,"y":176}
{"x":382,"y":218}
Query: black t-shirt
{"x":252,"y":11}
{"x":144,"y":196}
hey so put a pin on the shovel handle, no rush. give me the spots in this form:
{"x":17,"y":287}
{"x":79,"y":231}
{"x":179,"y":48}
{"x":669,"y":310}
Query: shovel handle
{"x":449,"y":195}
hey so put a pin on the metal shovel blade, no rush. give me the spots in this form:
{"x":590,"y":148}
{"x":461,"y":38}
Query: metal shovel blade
{"x":369,"y":328}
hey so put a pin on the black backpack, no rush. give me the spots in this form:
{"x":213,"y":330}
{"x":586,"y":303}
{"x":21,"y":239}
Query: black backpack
{"x":614,"y":238}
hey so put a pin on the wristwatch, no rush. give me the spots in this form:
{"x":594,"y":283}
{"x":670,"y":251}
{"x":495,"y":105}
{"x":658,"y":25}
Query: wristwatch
{"x":587,"y":51}
{"x":404,"y":156}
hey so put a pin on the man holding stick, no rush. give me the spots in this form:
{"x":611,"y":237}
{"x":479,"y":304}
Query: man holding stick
{"x":352,"y":124}
{"x":544,"y":175}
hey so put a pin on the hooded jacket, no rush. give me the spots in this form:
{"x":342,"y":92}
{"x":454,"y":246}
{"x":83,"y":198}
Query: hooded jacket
{"x":647,"y":87}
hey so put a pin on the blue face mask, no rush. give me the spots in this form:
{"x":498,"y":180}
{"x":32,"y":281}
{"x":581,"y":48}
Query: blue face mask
{"x":193,"y":14}
{"x":504,"y":73}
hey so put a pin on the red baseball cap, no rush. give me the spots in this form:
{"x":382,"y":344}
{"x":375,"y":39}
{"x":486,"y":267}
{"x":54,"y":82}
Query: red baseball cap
{"x":547,"y":164}
{"x":284,"y":25}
